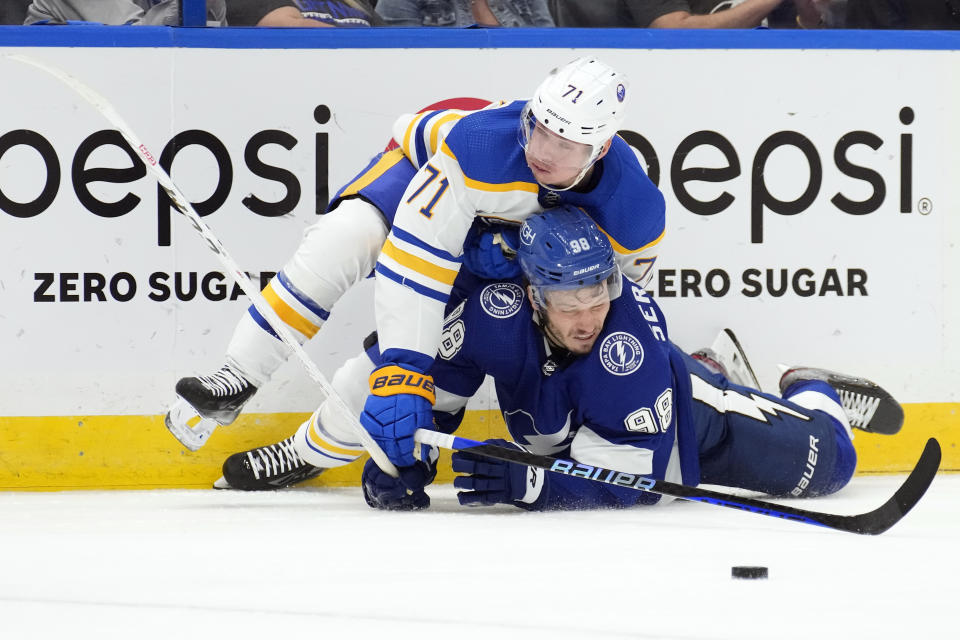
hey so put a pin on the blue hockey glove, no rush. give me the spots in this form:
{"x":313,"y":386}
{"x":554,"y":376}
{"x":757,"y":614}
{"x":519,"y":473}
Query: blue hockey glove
{"x":488,"y":481}
{"x":400,"y":402}
{"x":490,"y":251}
{"x":394,"y":494}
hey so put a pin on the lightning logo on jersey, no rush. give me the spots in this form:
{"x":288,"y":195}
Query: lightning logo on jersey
{"x":621,"y":353}
{"x":501,"y":300}
{"x":730,"y":401}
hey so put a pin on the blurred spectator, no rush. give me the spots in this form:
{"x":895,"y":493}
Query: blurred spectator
{"x":143,"y":12}
{"x":13,"y":11}
{"x":834,"y":13}
{"x":903,"y":14}
{"x":301,"y":13}
{"x":465,"y":13}
{"x":675,"y":14}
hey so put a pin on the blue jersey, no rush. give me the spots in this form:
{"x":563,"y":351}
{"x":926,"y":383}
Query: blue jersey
{"x":471,"y":164}
{"x":623,"y":406}
{"x":635,"y":403}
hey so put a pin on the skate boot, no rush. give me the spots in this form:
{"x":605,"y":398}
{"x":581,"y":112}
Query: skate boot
{"x":709,"y":358}
{"x":727,"y":358}
{"x":867,"y":406}
{"x":204,"y":402}
{"x":266,"y":468}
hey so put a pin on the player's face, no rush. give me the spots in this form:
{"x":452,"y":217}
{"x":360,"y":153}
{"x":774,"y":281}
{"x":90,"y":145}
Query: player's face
{"x":575,"y":317}
{"x":554,"y":160}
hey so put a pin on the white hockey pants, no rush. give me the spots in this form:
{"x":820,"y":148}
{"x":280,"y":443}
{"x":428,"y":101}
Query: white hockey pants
{"x":337,"y":251}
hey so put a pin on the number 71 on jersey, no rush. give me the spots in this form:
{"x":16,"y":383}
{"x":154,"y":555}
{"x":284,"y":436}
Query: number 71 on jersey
{"x":440,"y":189}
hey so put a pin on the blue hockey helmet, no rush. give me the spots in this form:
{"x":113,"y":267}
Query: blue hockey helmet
{"x":562,"y":248}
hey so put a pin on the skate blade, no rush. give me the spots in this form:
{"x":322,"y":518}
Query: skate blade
{"x":868,"y":406}
{"x":734,"y":360}
{"x":189,"y":428}
{"x":222,"y":483}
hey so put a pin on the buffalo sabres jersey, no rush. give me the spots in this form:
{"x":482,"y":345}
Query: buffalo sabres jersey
{"x":624,"y":406}
{"x":471,"y":164}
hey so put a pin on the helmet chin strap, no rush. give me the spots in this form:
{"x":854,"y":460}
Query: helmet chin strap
{"x":540,"y":321}
{"x":558,"y":356}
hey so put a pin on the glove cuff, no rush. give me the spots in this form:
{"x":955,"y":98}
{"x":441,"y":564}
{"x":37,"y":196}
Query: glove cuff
{"x":391,"y":380}
{"x":534,"y":481}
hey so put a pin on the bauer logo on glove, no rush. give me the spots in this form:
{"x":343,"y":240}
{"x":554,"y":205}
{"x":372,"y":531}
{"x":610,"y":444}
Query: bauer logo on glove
{"x":391,"y":380}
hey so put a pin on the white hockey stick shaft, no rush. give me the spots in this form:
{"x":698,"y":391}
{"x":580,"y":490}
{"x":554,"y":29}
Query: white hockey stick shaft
{"x":183,"y":205}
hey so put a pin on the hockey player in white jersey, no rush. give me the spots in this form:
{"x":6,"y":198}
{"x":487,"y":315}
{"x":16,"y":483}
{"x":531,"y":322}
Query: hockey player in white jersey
{"x":529,"y":159}
{"x":336,"y":252}
{"x":568,"y":154}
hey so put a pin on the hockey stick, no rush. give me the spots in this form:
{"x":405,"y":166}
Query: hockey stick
{"x":871,"y":523}
{"x":183,"y":205}
{"x":729,"y":348}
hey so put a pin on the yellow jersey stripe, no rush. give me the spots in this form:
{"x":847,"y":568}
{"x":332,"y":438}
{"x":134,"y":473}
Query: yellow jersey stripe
{"x":410,"y":129}
{"x":501,"y":187}
{"x":418,"y":264}
{"x":619,"y":248}
{"x":386,"y":161}
{"x":314,"y":435}
{"x":288,"y":314}
{"x":446,"y":150}
{"x":492,"y":186}
{"x":435,"y":132}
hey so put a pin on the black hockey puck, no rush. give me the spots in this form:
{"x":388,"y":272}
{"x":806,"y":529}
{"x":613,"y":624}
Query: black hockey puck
{"x":749,"y":573}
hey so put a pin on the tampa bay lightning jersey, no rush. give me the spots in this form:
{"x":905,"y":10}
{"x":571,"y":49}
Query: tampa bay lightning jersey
{"x":616,"y":407}
{"x":471,"y":164}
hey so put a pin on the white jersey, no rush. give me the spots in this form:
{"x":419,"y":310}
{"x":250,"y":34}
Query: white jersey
{"x":471,"y":164}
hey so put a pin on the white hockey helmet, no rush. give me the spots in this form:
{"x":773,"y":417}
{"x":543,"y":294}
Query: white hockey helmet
{"x":584,"y":101}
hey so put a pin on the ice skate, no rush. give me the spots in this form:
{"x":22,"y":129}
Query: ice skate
{"x":867,"y":406}
{"x":187,"y":426}
{"x":709,"y":358}
{"x":204,"y":402}
{"x":266,"y":468}
{"x":727,"y":358}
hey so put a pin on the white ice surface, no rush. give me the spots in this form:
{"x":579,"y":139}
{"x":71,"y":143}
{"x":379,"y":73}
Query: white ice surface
{"x":316,"y":563}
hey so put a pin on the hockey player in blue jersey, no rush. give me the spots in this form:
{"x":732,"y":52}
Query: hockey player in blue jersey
{"x":584,"y":369}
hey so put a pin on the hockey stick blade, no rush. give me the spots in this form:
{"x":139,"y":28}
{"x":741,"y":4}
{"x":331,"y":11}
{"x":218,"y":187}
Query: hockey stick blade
{"x":870,"y":523}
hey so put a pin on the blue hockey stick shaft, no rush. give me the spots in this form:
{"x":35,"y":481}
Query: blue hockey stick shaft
{"x":872,"y":523}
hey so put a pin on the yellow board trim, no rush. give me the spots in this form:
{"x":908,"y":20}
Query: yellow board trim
{"x":899,"y":453}
{"x":137,"y":452}
{"x":288,"y":314}
{"x":386,"y":162}
{"x":418,"y":264}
